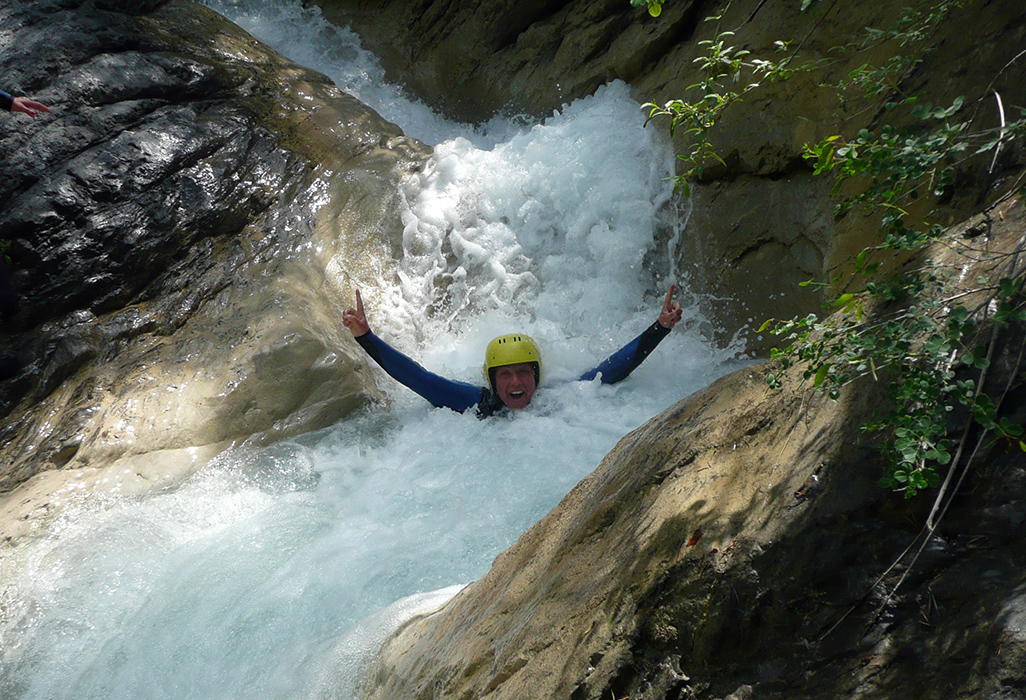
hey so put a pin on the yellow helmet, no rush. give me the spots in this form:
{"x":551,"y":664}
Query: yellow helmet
{"x":511,"y":349}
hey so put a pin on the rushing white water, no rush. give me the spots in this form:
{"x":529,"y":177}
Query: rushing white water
{"x":274,"y":573}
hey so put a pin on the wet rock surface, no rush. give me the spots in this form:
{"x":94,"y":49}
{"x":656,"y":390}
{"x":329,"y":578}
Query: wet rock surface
{"x":168,"y":228}
{"x":173,"y":299}
{"x":738,"y":546}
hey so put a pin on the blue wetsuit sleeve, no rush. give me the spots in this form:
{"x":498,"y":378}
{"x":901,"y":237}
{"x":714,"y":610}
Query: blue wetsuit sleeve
{"x":441,"y":392}
{"x":6,"y":101}
{"x":620,"y":364}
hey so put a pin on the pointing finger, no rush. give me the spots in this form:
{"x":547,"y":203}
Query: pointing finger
{"x":668,"y":304}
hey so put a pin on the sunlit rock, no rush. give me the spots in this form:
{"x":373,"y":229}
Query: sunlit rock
{"x":184,"y":229}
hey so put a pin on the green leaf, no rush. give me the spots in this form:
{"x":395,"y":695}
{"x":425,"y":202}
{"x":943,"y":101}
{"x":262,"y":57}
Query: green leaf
{"x":955,"y":106}
{"x":824,"y":160}
{"x":860,"y":261}
{"x":821,"y":375}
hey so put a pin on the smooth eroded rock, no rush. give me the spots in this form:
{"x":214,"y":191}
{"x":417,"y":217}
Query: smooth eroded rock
{"x":171,"y":227}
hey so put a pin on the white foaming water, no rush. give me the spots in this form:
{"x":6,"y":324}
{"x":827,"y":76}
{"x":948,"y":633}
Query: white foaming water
{"x":275,"y":573}
{"x":307,"y":38}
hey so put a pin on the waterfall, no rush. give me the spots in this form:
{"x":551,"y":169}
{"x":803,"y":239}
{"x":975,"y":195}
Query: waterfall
{"x":275,"y":572}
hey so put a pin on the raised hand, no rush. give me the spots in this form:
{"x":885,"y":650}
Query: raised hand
{"x":671,"y":311}
{"x":355,"y":319}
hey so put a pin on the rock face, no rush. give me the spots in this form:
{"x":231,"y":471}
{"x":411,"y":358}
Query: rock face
{"x":761,"y":210}
{"x":738,"y":546}
{"x":172,"y":229}
{"x":169,"y":227}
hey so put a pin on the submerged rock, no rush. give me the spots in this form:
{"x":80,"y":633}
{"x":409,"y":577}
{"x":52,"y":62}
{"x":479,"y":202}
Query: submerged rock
{"x":738,"y":546}
{"x":169,"y":228}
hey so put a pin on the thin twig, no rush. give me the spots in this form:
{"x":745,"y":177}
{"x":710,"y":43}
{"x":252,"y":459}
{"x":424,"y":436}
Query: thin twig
{"x":994,"y":81}
{"x":997,"y":149}
{"x":941,"y":505}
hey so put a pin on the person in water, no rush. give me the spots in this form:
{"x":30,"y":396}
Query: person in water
{"x":512,"y":364}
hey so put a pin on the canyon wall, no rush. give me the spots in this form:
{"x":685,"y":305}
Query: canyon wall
{"x":760,"y":223}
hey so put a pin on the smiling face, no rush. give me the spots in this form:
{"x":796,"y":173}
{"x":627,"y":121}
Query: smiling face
{"x":515,"y":384}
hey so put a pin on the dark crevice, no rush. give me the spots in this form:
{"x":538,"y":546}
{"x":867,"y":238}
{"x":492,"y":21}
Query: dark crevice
{"x":692,"y":19}
{"x":751,"y":17}
{"x":515,"y":29}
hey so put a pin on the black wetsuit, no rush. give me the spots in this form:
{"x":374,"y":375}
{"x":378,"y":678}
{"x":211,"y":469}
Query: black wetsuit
{"x":460,"y":396}
{"x":6,"y":101}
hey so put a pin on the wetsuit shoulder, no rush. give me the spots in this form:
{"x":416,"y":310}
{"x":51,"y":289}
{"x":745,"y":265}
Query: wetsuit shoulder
{"x":441,"y":392}
{"x":490,"y":404}
{"x":620,"y":364}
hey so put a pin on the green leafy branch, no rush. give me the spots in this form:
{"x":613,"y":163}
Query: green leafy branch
{"x":922,"y":351}
{"x":655,"y":7}
{"x":728,"y":75}
{"x":924,"y":348}
{"x":902,"y":164}
{"x":910,"y":35}
{"x":921,"y":347}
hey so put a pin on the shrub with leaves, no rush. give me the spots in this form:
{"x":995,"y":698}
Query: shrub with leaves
{"x":920,"y":348}
{"x":727,"y":74}
{"x":926,"y":332}
{"x":932,"y":351}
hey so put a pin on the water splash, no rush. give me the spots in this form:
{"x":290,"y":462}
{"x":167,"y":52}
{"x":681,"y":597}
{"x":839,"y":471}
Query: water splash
{"x":306,"y":37}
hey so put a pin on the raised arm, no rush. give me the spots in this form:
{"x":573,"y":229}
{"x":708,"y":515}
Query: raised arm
{"x":441,"y":392}
{"x":620,"y":364}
